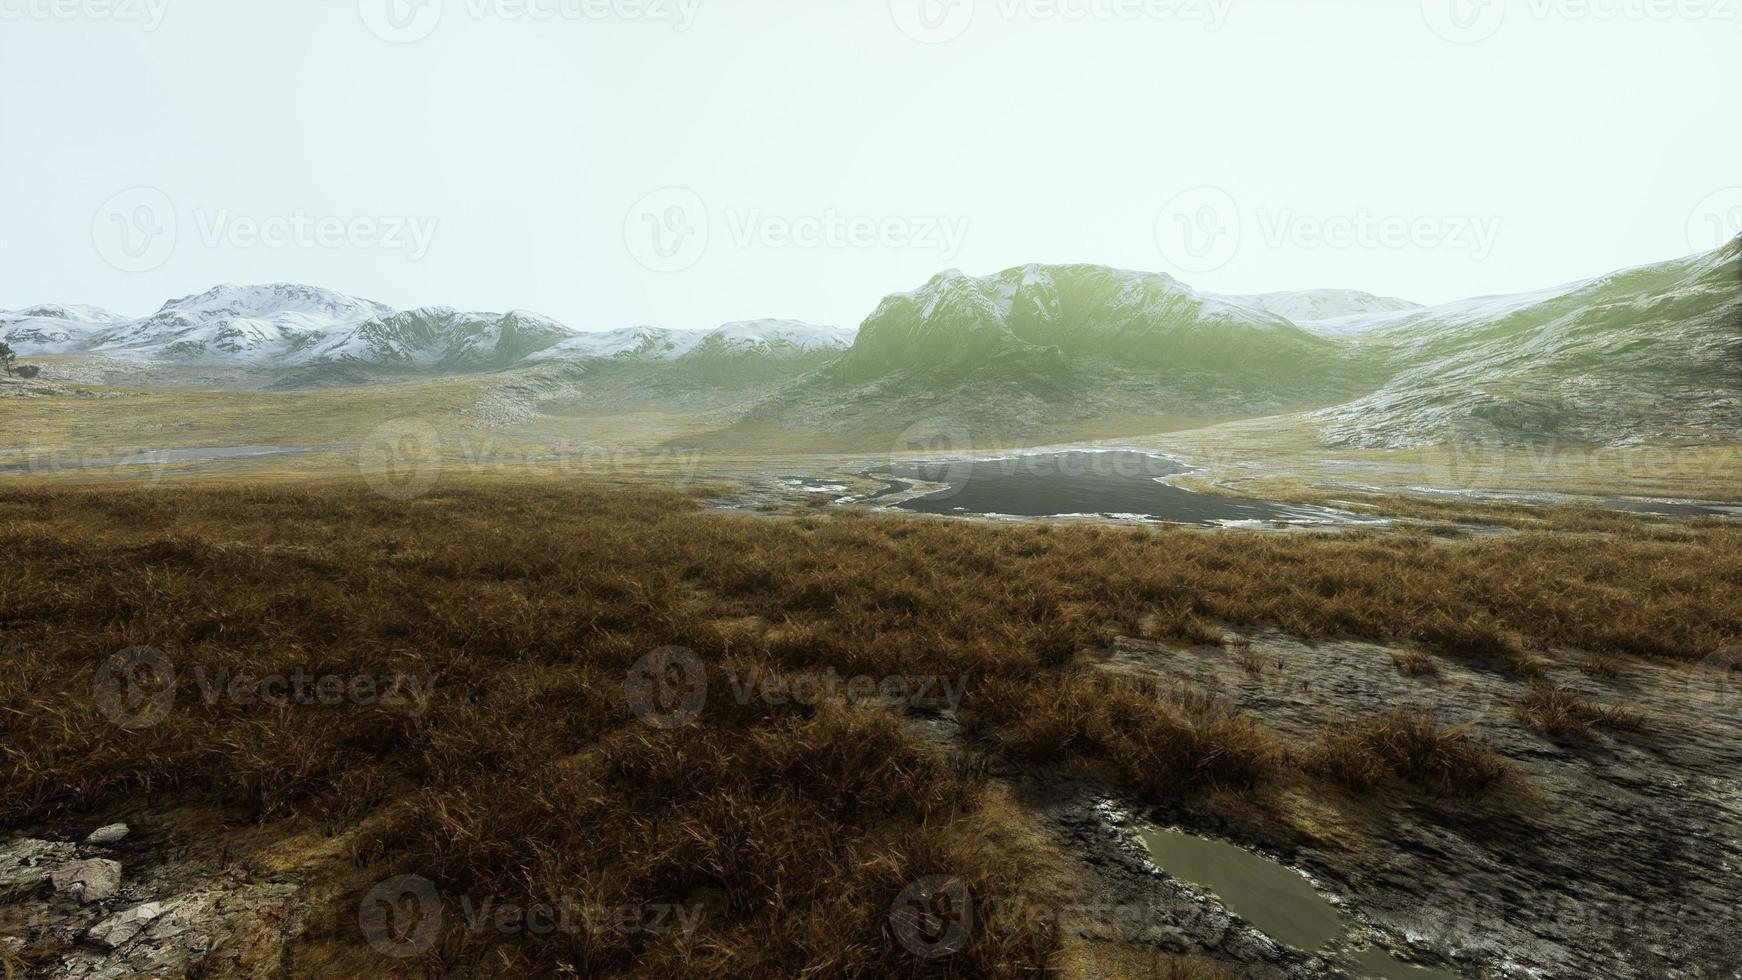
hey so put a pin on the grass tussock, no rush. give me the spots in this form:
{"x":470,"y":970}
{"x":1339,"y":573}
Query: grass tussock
{"x":1411,"y":745}
{"x":794,"y":824}
{"x":1562,"y":712}
{"x":1415,"y":663}
{"x":1164,"y":745}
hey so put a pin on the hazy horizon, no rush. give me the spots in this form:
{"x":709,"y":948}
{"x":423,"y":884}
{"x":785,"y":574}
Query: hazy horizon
{"x":677,"y":163}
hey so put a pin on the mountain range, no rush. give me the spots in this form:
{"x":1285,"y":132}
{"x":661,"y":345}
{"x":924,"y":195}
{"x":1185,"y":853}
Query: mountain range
{"x":302,"y":329}
{"x":1651,"y":353}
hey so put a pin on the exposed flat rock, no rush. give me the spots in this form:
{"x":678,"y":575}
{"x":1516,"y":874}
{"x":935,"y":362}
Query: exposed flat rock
{"x":1614,"y":855}
{"x":120,"y":928}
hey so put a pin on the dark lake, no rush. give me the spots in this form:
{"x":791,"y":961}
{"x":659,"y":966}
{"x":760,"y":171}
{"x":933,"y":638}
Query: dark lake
{"x":1115,"y":483}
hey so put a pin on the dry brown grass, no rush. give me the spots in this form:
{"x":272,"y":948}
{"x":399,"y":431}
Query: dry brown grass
{"x":1164,"y":744}
{"x":1559,"y":711}
{"x":1361,"y":753}
{"x":795,"y":826}
{"x":1415,"y":663}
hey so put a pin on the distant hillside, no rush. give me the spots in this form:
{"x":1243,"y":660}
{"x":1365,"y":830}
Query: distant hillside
{"x":1646,"y":354}
{"x":1052,"y":316}
{"x":1032,"y":353}
{"x":1046,"y":350}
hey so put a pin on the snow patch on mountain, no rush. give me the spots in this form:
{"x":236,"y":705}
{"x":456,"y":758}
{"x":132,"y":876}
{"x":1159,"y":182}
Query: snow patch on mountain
{"x":766,"y":337}
{"x":1316,"y":306}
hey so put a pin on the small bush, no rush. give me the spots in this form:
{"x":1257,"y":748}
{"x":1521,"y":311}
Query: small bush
{"x":1558,"y":711}
{"x":1411,"y":745}
{"x":1415,"y":663}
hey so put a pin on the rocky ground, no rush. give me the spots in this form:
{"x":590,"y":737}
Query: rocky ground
{"x":171,"y":897}
{"x":1611,"y":854}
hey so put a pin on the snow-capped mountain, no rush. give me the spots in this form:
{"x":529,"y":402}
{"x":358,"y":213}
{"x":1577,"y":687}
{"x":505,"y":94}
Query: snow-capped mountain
{"x":1316,"y":306}
{"x":285,"y":327}
{"x":439,"y":339}
{"x":56,"y":329}
{"x":275,"y":325}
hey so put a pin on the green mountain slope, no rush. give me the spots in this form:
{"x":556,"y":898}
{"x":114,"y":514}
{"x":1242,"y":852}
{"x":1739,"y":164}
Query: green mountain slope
{"x":1042,"y":351}
{"x":1647,"y":354}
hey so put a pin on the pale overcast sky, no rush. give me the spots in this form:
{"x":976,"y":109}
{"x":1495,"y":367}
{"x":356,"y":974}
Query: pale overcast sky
{"x":687,"y":162}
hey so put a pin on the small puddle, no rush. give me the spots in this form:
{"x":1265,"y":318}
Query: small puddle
{"x":1276,"y":901}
